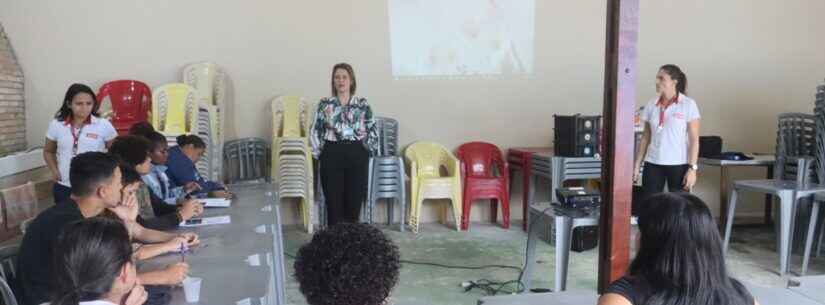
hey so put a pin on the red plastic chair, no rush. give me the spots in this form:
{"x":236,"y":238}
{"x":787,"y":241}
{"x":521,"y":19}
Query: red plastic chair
{"x":477,"y":163}
{"x":131,"y":102}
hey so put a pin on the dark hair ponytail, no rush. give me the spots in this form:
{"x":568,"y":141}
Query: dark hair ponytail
{"x":680,"y":254}
{"x":65,"y":111}
{"x":677,"y":75}
{"x":88,"y":257}
{"x":185,"y":139}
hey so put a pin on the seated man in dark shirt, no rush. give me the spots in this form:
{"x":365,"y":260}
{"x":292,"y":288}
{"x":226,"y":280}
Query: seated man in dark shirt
{"x":96,"y":185}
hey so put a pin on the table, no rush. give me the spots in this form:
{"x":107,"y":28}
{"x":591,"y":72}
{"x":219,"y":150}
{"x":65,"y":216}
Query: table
{"x":781,"y":296}
{"x":227,"y":255}
{"x":578,"y":297}
{"x":520,"y":158}
{"x":812,"y":287}
{"x":564,"y":225}
{"x":766,"y":161}
{"x":559,"y":169}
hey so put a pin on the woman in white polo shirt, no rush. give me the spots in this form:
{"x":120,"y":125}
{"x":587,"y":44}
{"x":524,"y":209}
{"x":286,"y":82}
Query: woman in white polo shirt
{"x":76,"y":129}
{"x":670,"y":143}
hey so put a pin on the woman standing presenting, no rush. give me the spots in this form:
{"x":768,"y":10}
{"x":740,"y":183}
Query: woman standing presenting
{"x":343,"y":138}
{"x":670,"y":143}
{"x":76,"y":129}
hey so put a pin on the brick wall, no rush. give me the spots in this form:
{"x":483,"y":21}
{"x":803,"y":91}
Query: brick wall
{"x":12,"y":106}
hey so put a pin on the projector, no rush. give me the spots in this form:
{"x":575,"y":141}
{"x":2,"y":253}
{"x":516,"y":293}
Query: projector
{"x":578,"y":198}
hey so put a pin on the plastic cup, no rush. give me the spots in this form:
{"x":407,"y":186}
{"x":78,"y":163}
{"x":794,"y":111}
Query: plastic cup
{"x":192,"y":289}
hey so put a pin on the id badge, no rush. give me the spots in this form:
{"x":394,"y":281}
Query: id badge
{"x":347,"y":132}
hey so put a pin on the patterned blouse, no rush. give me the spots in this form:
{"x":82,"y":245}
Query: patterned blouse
{"x":335,"y":122}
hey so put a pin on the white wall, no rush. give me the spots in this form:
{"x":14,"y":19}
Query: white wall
{"x":746,"y":62}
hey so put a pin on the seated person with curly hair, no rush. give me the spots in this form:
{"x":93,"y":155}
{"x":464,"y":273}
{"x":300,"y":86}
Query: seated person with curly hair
{"x":348,"y":263}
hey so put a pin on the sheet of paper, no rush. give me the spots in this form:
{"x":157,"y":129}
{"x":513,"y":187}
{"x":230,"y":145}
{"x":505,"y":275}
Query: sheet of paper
{"x":205,"y":221}
{"x":216,"y":202}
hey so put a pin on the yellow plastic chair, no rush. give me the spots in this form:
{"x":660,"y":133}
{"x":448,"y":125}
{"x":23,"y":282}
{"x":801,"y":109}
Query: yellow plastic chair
{"x":289,"y":125}
{"x":291,"y":155}
{"x":434,"y":174}
{"x":174,"y":109}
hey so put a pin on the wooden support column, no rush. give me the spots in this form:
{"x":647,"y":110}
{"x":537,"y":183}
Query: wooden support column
{"x":618,"y":112}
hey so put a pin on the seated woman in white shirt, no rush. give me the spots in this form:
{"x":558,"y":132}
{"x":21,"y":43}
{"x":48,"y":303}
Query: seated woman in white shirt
{"x":93,"y":262}
{"x":75,"y":129}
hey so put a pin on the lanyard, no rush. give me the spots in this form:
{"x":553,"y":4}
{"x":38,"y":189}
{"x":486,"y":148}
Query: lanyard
{"x":76,"y":139}
{"x":663,"y":107}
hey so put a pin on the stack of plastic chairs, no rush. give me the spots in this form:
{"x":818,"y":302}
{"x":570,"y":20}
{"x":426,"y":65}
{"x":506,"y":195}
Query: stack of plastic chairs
{"x":386,"y":174}
{"x":174,"y":110}
{"x":209,"y":82}
{"x":247,"y":160}
{"x":478,"y":160}
{"x":291,"y":154}
{"x":426,"y":160}
{"x":129,"y":102}
{"x":209,"y":164}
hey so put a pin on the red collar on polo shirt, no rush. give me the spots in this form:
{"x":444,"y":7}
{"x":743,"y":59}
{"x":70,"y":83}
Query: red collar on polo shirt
{"x":663,"y":106}
{"x":68,"y":120}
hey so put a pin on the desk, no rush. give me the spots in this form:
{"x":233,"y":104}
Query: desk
{"x":780,"y":296}
{"x":579,"y":297}
{"x":766,"y":161}
{"x":222,"y":259}
{"x":563,"y":225}
{"x":560,"y":169}
{"x":520,"y":158}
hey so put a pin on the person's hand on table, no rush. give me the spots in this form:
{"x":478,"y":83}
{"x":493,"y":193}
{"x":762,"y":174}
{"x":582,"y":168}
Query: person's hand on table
{"x":222,"y":194}
{"x":175,"y":273}
{"x":190,"y":208}
{"x":191,"y":239}
{"x":191,"y":187}
{"x":175,"y":244}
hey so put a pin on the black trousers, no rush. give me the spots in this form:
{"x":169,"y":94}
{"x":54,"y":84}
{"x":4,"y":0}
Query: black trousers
{"x":344,"y":179}
{"x":61,"y":193}
{"x":655,"y":177}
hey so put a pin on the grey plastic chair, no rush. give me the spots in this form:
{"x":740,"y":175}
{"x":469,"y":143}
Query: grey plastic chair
{"x":8,"y":263}
{"x":794,"y":180}
{"x":386,"y":174}
{"x":246,"y":160}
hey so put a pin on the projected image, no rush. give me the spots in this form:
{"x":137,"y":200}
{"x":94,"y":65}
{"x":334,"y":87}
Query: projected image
{"x":444,"y":38}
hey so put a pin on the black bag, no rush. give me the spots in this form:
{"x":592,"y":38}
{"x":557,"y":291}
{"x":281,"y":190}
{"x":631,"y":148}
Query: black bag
{"x":158,"y":295}
{"x":710,"y":147}
{"x":585,"y":238}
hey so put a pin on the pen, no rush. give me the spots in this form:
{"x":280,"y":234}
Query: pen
{"x":182,"y":255}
